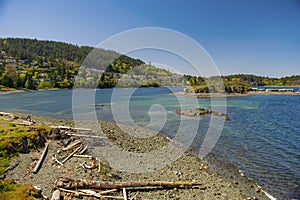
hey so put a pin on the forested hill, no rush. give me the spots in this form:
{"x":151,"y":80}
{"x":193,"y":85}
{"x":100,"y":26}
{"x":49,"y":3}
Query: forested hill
{"x":33,"y":49}
{"x":32,"y":63}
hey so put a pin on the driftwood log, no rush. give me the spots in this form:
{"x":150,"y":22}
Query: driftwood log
{"x":106,"y":191}
{"x":71,"y":128}
{"x":90,"y":193}
{"x":83,"y":150}
{"x":82,"y":156}
{"x":10,"y":168}
{"x":72,"y":146}
{"x":42,"y":158}
{"x":88,"y":136}
{"x":5,"y":114}
{"x":81,"y":184}
{"x":23,"y":123}
{"x":70,"y":155}
{"x":56,"y":195}
{"x":57,"y":160}
{"x":124,"y":194}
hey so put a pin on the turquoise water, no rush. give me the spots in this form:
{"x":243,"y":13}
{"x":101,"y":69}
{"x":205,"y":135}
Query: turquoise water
{"x":262,"y":138}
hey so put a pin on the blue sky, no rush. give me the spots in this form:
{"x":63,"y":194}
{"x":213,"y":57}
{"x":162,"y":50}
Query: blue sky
{"x":255,"y":36}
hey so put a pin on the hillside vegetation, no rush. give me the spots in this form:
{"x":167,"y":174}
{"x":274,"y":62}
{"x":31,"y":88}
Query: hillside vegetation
{"x":239,"y":83}
{"x":35,"y":64}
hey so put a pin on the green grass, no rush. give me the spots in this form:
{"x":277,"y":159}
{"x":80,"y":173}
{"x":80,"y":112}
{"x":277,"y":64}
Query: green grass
{"x":11,"y":191}
{"x":10,"y":143}
{"x":11,"y":140}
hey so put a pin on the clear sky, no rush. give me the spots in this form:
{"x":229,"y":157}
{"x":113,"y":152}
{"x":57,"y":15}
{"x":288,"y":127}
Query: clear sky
{"x":242,"y":36}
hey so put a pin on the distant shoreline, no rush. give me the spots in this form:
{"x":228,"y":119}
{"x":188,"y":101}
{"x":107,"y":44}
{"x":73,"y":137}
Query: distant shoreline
{"x":224,"y":95}
{"x":2,"y":92}
{"x":274,"y":93}
{"x":193,"y":95}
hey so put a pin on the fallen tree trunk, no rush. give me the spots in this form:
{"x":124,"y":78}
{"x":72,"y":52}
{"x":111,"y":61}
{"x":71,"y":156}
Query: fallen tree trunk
{"x":77,"y":184}
{"x":42,"y":158}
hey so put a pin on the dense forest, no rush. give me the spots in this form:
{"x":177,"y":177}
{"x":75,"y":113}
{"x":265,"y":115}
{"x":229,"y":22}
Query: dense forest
{"x":35,"y":64}
{"x":33,"y":49}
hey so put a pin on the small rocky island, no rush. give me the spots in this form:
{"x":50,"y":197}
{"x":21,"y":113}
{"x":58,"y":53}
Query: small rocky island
{"x":201,"y":111}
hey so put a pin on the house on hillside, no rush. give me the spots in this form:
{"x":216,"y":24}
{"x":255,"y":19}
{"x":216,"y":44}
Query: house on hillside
{"x":10,"y":60}
{"x":2,"y":53}
{"x":33,"y":63}
{"x":23,"y":61}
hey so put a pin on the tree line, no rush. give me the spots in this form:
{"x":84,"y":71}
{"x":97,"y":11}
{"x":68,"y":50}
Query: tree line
{"x":238,"y":83}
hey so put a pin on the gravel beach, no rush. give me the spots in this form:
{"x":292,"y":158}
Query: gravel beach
{"x":188,"y":167}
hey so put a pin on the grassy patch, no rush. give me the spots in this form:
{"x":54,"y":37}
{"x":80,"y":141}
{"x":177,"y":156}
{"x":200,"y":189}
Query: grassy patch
{"x":11,"y":191}
{"x":4,"y":88}
{"x":12,"y":137}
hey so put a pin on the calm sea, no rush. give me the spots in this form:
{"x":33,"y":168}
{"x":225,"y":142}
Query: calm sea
{"x":262,"y":138}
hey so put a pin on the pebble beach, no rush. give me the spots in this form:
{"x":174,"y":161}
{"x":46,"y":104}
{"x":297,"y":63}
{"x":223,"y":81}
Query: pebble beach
{"x":188,"y":167}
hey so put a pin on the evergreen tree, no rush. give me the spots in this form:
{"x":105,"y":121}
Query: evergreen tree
{"x":29,"y":84}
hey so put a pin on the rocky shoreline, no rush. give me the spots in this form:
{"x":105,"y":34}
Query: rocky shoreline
{"x":10,"y":92}
{"x":187,"y":168}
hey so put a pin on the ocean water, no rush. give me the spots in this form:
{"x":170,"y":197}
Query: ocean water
{"x":262,"y":138}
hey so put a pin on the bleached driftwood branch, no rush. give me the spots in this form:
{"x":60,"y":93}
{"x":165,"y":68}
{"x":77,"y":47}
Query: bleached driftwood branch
{"x":72,"y":146}
{"x":71,"y":128}
{"x":71,"y":154}
{"x":56,"y":195}
{"x":42,"y":158}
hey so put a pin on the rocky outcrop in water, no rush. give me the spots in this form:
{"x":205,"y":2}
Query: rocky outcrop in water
{"x":201,"y":111}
